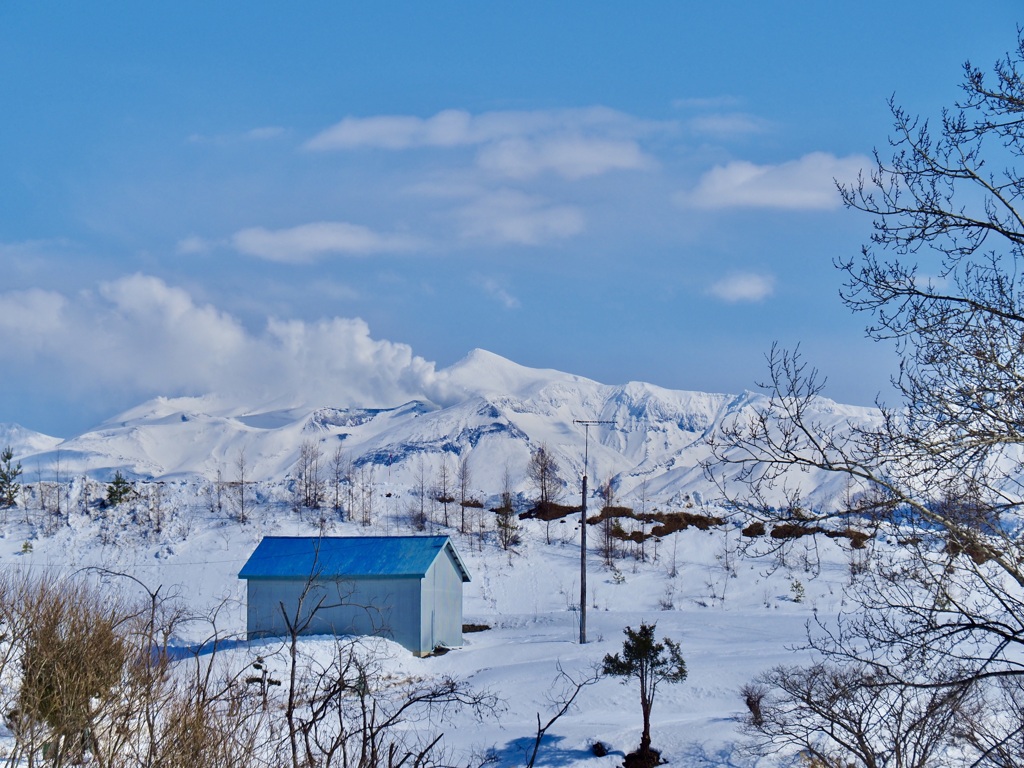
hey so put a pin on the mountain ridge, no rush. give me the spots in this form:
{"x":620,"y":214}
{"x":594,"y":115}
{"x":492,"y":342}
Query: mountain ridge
{"x":655,"y":444}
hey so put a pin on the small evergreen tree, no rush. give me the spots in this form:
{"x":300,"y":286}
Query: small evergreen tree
{"x":118,"y":490}
{"x":9,"y":474}
{"x":650,"y":663}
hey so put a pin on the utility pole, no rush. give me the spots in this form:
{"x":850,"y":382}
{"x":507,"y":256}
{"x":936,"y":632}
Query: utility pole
{"x":583,"y":527}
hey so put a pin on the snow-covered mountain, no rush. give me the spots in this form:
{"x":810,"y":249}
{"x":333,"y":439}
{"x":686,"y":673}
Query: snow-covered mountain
{"x":24,"y":442}
{"x":502,"y":412}
{"x":734,"y":617}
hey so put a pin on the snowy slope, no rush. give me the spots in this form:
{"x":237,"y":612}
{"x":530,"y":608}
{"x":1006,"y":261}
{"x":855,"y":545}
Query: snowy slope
{"x":23,"y":442}
{"x":733,"y":617}
{"x":655,"y":440}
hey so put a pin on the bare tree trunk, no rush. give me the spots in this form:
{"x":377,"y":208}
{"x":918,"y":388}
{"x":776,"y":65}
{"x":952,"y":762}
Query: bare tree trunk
{"x":241,"y":487}
{"x":464,"y":482}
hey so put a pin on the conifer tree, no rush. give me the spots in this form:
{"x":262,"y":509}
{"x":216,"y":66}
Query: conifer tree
{"x":118,"y":490}
{"x":9,"y":474}
{"x":649,"y":663}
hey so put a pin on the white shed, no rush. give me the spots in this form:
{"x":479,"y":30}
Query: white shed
{"x":407,"y":588}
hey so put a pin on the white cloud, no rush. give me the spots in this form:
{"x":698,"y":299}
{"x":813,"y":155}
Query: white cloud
{"x":333,"y":290}
{"x":445,"y":187}
{"x":497,"y":291}
{"x":261,"y":133}
{"x":193,"y":244}
{"x":728,"y":125}
{"x":804,"y":184}
{"x":32,"y":262}
{"x":445,"y":129}
{"x":712,"y":102}
{"x":31,"y":313}
{"x":720,"y":117}
{"x":507,"y":216}
{"x":140,"y":336}
{"x":264,"y":133}
{"x":308,"y":242}
{"x":571,"y":157}
{"x":743,"y":286}
{"x":573,"y":143}
{"x":452,"y":128}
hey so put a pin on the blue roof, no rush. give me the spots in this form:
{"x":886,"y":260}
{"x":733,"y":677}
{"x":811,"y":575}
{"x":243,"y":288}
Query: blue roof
{"x":347,"y":557}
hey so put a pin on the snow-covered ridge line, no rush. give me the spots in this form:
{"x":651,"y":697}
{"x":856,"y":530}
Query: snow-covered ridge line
{"x":655,"y":440}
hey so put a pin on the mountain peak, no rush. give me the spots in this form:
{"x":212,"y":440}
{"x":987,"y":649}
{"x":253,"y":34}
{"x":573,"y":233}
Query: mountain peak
{"x":483,"y":373}
{"x":24,"y":441}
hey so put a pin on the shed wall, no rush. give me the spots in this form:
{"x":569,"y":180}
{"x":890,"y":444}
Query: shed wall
{"x":441,"y":607}
{"x":386,"y":607}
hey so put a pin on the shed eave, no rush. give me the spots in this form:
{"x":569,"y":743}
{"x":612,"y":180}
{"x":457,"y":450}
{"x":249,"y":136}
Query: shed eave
{"x":466,"y":578}
{"x":331,"y":577}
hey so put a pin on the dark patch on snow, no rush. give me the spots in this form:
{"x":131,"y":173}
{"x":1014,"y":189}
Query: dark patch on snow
{"x":454,"y":445}
{"x":489,"y":411}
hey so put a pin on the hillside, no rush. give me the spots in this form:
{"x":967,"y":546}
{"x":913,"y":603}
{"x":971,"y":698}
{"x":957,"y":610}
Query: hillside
{"x":182,"y":532}
{"x":733,"y":616}
{"x":499,"y":413}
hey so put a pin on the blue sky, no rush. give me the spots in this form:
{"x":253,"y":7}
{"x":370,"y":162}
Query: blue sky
{"x":336,"y":200}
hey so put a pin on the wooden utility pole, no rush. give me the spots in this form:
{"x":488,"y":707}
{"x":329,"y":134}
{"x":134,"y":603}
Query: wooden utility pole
{"x":583,"y":527}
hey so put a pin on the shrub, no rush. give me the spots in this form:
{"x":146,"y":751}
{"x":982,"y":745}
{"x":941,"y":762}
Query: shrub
{"x":754,"y":530}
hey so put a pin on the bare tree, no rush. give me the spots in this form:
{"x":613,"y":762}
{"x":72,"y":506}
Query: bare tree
{"x":62,"y":699}
{"x":611,"y":528}
{"x":350,"y":711}
{"x":309,"y":482}
{"x":353,"y":491}
{"x":366,"y":494}
{"x":465,"y":478}
{"x":643,"y":521}
{"x":543,"y":472}
{"x":341,"y":473}
{"x":419,"y":508}
{"x":506,"y":522}
{"x":564,"y":693}
{"x":216,"y":493}
{"x":443,"y":486}
{"x":63,"y":500}
{"x":42,"y":495}
{"x":240,"y":488}
{"x":156,"y":507}
{"x":852,"y":715}
{"x":298,"y":618}
{"x":941,"y":471}
{"x":77,"y":691}
{"x":91,"y":677}
{"x":353,"y":714}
